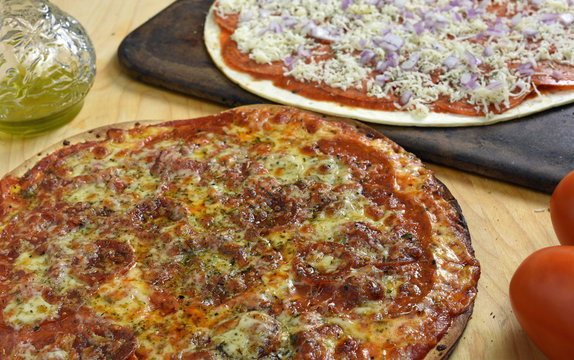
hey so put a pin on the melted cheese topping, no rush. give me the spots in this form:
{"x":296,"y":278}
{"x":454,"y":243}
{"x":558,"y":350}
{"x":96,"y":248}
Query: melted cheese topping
{"x":256,"y":238}
{"x":29,"y":311}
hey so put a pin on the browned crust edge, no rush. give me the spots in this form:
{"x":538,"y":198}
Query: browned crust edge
{"x":448,"y":341}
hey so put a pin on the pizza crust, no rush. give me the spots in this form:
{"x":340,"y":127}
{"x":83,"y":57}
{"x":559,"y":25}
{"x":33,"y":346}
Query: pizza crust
{"x":266,"y":89}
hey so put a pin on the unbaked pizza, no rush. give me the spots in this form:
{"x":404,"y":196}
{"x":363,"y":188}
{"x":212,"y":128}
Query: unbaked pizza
{"x":404,"y":62}
{"x":258,"y":233}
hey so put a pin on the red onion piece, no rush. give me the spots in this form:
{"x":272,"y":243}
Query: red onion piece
{"x":307,"y":25}
{"x":457,"y":16}
{"x":290,"y":22}
{"x":274,"y":26}
{"x":381,"y":66}
{"x":495,"y":85}
{"x":525,"y":69}
{"x":405,"y":97}
{"x":302,"y":52}
{"x":566,"y":19}
{"x":390,"y":62}
{"x":367,"y":56}
{"x":488,"y":51}
{"x":381,"y":79}
{"x":345,"y":4}
{"x":419,"y":27}
{"x":547,"y":17}
{"x":451,"y":62}
{"x":391,"y":42}
{"x":439,"y":21}
{"x":556,"y":75}
{"x":530,"y":33}
{"x":498,"y":30}
{"x":468,"y":81}
{"x":471,"y":13}
{"x":516,"y":19}
{"x":322,"y":34}
{"x":494,"y":32}
{"x":377,"y":40}
{"x":392,"y":59}
{"x":471,"y":59}
{"x":290,"y":62}
{"x":411,"y":62}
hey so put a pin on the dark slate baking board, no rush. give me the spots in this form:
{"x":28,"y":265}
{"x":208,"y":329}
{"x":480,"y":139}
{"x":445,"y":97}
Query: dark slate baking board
{"x":535,"y":151}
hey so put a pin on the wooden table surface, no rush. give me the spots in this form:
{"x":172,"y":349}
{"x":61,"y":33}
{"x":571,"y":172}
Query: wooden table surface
{"x":506,"y":222}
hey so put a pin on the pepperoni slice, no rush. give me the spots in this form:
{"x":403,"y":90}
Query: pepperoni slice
{"x":310,"y":344}
{"x":464,"y":108}
{"x":80,"y":335}
{"x":210,"y":267}
{"x":350,"y":348}
{"x":170,"y":161}
{"x":228,"y":23}
{"x":322,"y":263}
{"x":102,"y":260}
{"x":164,"y":302}
{"x":378,"y":248}
{"x":161,"y":207}
{"x":267,"y":206}
{"x":554,"y":76}
{"x":400,"y":287}
{"x":243,"y":62}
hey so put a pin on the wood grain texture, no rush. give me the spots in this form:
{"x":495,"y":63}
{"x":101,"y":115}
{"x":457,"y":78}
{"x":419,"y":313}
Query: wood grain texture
{"x":536,"y":151}
{"x":506,"y":222}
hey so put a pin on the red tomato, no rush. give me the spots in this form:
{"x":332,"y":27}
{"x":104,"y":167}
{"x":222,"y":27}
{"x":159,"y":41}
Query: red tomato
{"x":562,"y":210}
{"x":542,"y":296}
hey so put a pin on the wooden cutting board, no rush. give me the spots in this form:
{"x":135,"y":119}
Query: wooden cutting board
{"x":535,"y":151}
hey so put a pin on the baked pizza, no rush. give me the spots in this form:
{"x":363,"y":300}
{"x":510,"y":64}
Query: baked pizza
{"x":402,"y":62}
{"x":259,"y":233}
